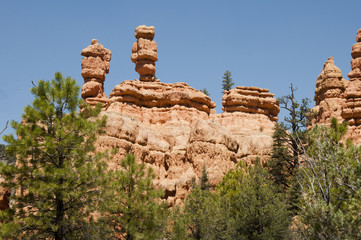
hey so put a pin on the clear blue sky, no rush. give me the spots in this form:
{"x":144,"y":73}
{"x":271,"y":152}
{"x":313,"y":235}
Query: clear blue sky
{"x":268,"y":44}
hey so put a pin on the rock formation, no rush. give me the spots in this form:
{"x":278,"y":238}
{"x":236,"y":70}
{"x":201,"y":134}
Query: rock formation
{"x":174,"y":129}
{"x":144,"y":53}
{"x":250,"y":114}
{"x":251,"y":100}
{"x":330,"y":88}
{"x":351,"y":110}
{"x":95,"y":65}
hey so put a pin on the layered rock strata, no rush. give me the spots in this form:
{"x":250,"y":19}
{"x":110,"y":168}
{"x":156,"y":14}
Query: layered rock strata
{"x":95,"y":65}
{"x":144,"y":53}
{"x":252,"y":100}
{"x":351,"y":110}
{"x":329,"y":94}
{"x":174,"y":129}
{"x":154,"y":102}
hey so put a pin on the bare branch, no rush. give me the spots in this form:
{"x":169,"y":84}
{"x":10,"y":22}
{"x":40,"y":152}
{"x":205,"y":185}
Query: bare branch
{"x":5,"y":127}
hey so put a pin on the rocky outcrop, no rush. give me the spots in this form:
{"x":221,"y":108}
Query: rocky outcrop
{"x":95,"y":65}
{"x":351,"y":110}
{"x":174,"y":128}
{"x":144,"y":53}
{"x":157,"y":102}
{"x":251,"y":100}
{"x":329,"y":94}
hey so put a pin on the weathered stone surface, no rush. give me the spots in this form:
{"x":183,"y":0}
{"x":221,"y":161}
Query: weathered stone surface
{"x":252,"y":100}
{"x":158,"y":97}
{"x":351,"y":110}
{"x":329,"y":94}
{"x":144,"y":53}
{"x":95,"y":65}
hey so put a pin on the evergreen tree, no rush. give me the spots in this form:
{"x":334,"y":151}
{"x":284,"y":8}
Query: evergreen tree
{"x":281,"y":162}
{"x":295,"y":122}
{"x":259,"y":210}
{"x":133,"y":207}
{"x":205,"y":91}
{"x":227,"y":81}
{"x":57,"y":178}
{"x":204,"y":179}
{"x":330,"y":186}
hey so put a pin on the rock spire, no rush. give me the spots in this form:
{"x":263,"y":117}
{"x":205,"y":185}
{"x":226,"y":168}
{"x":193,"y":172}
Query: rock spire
{"x":95,"y":65}
{"x":351,"y":111}
{"x":330,"y":87}
{"x":144,"y":53}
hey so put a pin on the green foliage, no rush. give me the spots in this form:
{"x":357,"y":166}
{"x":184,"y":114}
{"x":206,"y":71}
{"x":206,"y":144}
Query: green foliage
{"x":4,"y":157}
{"x":280,"y":164}
{"x":259,"y":210}
{"x":295,"y":122}
{"x":133,"y":207}
{"x":205,"y":215}
{"x":227,"y":81}
{"x":204,"y":179}
{"x":330,"y":186}
{"x":57,"y":178}
{"x":205,"y":91}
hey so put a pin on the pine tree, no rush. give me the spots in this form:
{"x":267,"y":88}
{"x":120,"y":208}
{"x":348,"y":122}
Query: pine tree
{"x":281,"y":162}
{"x":227,"y":81}
{"x":204,"y":179}
{"x":205,"y":91}
{"x":260,"y":212}
{"x":330,"y":186}
{"x":295,"y":122}
{"x":57,"y":178}
{"x":133,"y":207}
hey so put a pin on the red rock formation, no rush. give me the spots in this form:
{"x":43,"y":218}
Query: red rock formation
{"x":144,"y":53}
{"x":95,"y":65}
{"x":174,"y":129}
{"x":251,"y":100}
{"x":351,"y":110}
{"x":154,"y":101}
{"x":330,"y":87}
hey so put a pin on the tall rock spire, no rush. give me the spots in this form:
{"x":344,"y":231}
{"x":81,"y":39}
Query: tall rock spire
{"x":144,"y":53}
{"x":351,"y":111}
{"x":95,"y":65}
{"x":330,"y":87}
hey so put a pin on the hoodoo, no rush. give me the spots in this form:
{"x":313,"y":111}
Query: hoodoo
{"x":329,"y":94}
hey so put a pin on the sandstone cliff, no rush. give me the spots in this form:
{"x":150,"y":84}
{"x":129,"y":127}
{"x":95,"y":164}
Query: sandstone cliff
{"x":175,"y":129}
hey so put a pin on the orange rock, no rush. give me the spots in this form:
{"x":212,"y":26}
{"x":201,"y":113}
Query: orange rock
{"x":329,"y":94}
{"x":252,"y":100}
{"x":144,"y":53}
{"x":351,"y":111}
{"x":95,"y":65}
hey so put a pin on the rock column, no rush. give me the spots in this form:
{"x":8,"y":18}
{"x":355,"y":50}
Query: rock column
{"x":351,"y":111}
{"x":144,"y":53}
{"x":95,"y":65}
{"x":329,"y":98}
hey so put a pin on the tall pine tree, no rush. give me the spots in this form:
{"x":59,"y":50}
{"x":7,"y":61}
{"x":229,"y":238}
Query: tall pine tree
{"x":133,"y":207}
{"x":57,"y":179}
{"x":227,"y":82}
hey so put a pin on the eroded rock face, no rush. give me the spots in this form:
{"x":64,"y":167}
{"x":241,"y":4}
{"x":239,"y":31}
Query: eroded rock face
{"x":351,"y":110}
{"x":252,"y":100}
{"x":329,"y":94}
{"x":174,"y":128}
{"x":95,"y":65}
{"x":156,"y":99}
{"x":144,"y":53}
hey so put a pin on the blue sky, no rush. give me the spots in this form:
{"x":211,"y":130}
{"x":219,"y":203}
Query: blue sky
{"x":268,"y":44}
